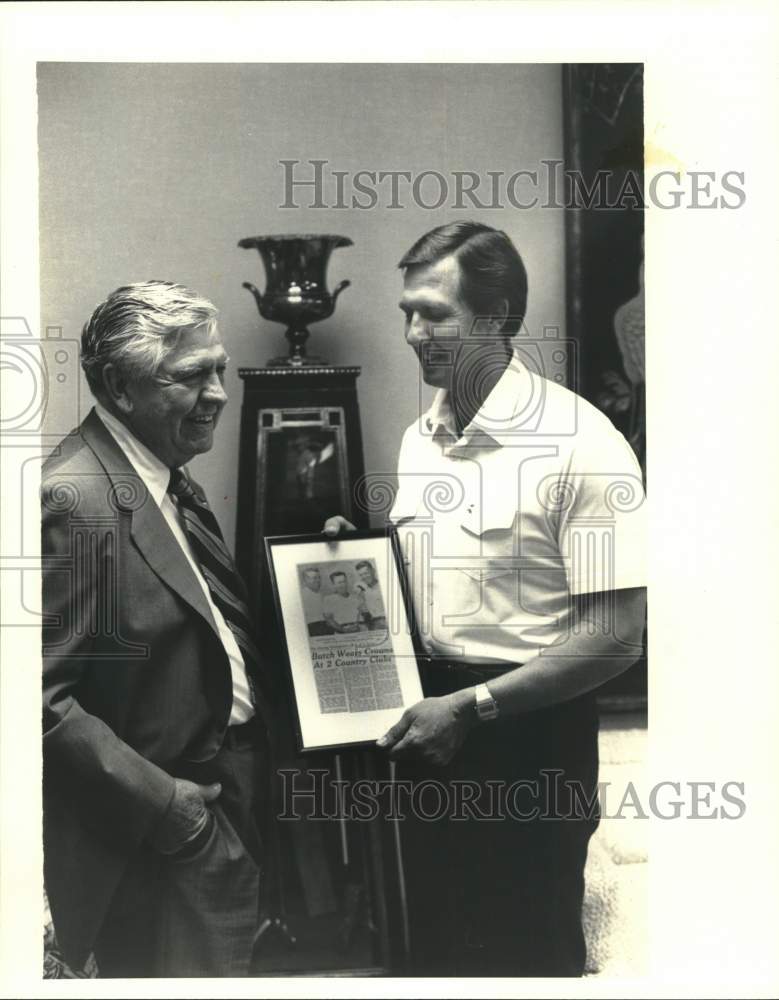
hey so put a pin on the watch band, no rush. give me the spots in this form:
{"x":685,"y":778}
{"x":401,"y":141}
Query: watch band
{"x":486,"y":706}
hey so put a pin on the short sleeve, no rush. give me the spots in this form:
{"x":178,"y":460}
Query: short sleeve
{"x":602,"y":528}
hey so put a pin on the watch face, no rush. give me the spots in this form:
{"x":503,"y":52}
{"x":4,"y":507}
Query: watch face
{"x":486,"y":706}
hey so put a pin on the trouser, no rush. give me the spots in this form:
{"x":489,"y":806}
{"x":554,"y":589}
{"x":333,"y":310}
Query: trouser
{"x":495,"y":885}
{"x":196,"y":914}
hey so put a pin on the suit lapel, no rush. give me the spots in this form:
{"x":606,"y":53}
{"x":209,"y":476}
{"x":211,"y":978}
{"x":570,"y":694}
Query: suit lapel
{"x":150,"y":532}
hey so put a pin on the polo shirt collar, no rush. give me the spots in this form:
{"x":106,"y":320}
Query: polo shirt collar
{"x":500,"y":415}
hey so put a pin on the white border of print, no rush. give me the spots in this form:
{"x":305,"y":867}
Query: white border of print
{"x":711,"y":103}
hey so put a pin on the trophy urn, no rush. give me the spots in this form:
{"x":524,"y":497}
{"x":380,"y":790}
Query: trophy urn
{"x":296,"y":287}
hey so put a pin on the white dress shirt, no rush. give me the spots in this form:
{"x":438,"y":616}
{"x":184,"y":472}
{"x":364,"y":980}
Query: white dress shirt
{"x":539,"y":499}
{"x":155,"y":476}
{"x":345,"y":610}
{"x":374,"y":605}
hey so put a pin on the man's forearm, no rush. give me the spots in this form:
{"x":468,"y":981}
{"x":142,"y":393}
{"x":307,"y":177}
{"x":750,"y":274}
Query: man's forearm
{"x":548,"y":679}
{"x":599,"y":646}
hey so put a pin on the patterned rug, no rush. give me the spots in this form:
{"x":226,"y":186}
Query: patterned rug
{"x":54,"y":965}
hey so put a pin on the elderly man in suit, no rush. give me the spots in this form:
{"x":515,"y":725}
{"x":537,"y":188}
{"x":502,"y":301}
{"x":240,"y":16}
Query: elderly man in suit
{"x":156,"y":754}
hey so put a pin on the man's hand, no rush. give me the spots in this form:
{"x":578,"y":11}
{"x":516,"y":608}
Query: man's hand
{"x":433,"y":730}
{"x":337,"y":525}
{"x":186,"y":816}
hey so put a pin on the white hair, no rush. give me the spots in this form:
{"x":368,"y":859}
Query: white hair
{"x":137,"y":326}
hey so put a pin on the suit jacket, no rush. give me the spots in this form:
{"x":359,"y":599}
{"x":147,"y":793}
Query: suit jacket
{"x":135,"y":677}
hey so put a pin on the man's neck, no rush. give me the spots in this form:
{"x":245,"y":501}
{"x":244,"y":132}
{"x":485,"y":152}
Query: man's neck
{"x":475,"y":376}
{"x":106,"y":407}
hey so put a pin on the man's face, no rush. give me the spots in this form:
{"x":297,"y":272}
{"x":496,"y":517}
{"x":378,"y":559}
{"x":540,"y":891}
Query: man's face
{"x":312,"y":579}
{"x":365,"y":573}
{"x":174,"y":412}
{"x":437,"y":320}
{"x":341,"y":586}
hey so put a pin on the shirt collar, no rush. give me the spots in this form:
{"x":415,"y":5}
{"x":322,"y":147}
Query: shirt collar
{"x":154,"y":474}
{"x":501,"y":414}
{"x":440,"y":416}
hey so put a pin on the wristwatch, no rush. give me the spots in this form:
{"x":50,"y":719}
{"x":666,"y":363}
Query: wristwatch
{"x":486,"y":706}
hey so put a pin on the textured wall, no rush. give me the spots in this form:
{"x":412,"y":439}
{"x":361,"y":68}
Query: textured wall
{"x":157,"y":170}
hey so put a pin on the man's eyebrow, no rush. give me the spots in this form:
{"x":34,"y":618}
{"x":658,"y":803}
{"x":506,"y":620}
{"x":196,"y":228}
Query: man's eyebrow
{"x":194,"y":367}
{"x":422,"y":302}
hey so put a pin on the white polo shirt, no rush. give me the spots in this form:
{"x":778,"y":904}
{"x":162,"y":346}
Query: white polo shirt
{"x":155,"y":476}
{"x":539,"y":499}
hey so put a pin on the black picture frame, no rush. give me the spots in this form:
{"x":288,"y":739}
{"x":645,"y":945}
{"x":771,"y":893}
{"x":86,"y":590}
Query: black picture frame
{"x":603,"y":119}
{"x":388,"y":676}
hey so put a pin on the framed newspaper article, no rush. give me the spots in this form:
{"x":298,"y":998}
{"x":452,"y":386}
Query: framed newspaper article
{"x":345,"y":614}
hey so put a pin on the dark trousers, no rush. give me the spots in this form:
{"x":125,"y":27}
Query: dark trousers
{"x":495,"y":887}
{"x":196,"y":914}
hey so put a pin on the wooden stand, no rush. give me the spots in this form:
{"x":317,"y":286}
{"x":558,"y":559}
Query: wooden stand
{"x":300,"y":458}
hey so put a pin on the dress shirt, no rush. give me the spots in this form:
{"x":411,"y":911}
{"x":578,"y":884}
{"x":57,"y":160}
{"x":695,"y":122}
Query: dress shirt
{"x":312,"y":604}
{"x":155,"y":476}
{"x":372,"y":597}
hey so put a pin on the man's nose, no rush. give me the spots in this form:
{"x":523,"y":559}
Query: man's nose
{"x":416,"y":329}
{"x":214,"y":391}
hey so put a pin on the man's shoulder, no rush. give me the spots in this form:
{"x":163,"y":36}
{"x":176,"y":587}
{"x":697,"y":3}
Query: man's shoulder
{"x":73,"y":478}
{"x":567,"y":414}
{"x":595,"y":446}
{"x":71,"y":463}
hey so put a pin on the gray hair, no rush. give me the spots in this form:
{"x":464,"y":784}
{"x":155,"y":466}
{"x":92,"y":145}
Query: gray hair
{"x":138,"y":326}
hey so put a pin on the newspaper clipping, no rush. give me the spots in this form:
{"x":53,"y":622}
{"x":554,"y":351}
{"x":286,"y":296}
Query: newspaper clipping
{"x":351,"y":648}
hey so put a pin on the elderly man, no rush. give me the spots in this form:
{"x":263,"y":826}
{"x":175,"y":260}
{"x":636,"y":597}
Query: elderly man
{"x":533,"y":597}
{"x":155,"y":749}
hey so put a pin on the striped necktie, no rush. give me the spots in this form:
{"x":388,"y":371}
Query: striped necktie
{"x":224,"y":584}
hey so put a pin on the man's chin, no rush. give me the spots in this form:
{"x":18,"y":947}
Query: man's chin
{"x":196,"y":445}
{"x":206,"y":443}
{"x":437,"y":378}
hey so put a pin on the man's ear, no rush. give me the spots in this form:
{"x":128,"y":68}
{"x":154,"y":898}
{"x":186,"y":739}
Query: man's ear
{"x":115,"y":386}
{"x":498,"y":317}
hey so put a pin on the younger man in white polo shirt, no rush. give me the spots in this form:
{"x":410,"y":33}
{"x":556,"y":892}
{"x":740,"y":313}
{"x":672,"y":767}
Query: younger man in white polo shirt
{"x":528,"y":591}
